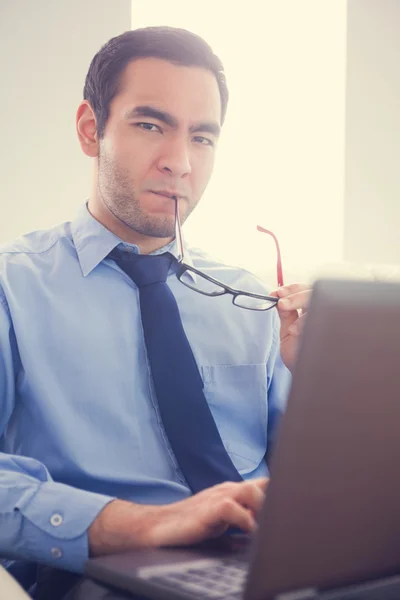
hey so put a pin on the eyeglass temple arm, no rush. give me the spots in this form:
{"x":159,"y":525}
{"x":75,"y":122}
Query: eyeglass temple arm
{"x":179,"y":240}
{"x":278,"y":251}
{"x":178,"y":231}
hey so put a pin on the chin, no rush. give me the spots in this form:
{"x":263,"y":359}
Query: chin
{"x":156,"y":227}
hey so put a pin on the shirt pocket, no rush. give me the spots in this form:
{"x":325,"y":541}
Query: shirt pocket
{"x":237,"y":397}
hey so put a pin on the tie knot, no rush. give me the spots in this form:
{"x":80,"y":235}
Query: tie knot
{"x":143,"y":269}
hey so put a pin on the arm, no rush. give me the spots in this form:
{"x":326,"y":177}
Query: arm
{"x":123,"y":526}
{"x":49,"y":522}
{"x":40,"y":519}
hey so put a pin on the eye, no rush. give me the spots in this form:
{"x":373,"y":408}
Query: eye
{"x":147,"y":126}
{"x":205,"y":142}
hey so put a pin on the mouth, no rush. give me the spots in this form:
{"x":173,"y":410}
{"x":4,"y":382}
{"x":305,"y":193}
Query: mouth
{"x":169,"y":195}
{"x":164,"y":204}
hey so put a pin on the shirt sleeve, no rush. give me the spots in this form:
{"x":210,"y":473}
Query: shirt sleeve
{"x":278,"y":382}
{"x":40,"y":519}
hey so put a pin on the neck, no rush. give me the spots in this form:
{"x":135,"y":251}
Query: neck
{"x":145,"y":243}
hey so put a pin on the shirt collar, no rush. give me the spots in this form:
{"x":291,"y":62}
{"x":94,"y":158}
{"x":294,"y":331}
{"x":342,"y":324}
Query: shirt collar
{"x":93,"y":242}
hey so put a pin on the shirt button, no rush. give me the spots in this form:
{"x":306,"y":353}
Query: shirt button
{"x":56,"y":552}
{"x":56,"y":520}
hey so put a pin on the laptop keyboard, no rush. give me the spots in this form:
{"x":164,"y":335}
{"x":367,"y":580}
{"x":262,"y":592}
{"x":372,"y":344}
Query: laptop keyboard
{"x":215,"y":578}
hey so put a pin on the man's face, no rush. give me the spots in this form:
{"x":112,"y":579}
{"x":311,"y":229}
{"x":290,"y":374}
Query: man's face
{"x":143,"y":152}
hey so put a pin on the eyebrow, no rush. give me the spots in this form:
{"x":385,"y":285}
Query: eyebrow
{"x":165,"y":117}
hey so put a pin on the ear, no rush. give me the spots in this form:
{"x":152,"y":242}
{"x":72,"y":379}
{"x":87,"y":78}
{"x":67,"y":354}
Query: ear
{"x":86,"y":128}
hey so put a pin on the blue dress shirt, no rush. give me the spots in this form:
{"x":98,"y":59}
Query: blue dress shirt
{"x":79,"y":423}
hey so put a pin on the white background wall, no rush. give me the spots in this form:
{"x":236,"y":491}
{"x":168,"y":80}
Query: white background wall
{"x":45,"y":50}
{"x":372,"y":196}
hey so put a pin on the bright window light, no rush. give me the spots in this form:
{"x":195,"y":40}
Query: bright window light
{"x":280,"y":161}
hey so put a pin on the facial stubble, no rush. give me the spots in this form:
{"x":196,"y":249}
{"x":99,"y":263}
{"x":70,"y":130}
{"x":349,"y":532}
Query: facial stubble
{"x":117,"y":191}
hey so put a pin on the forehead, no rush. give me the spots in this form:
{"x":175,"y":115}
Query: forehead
{"x":187,"y":92}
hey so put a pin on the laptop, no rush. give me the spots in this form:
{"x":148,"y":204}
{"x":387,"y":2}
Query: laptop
{"x":330,"y":524}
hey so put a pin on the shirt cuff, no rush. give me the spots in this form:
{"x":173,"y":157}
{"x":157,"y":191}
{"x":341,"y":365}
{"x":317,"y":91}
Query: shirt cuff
{"x":55,"y":525}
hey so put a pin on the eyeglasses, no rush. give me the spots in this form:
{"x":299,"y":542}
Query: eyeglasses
{"x":208,"y":286}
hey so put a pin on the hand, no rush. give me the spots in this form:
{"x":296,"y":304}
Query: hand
{"x":292,"y":310}
{"x":123,"y":526}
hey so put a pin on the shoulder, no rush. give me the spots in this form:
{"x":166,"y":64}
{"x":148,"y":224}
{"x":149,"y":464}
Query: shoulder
{"x":27,"y":254}
{"x":34,"y":243}
{"x":231,"y":274}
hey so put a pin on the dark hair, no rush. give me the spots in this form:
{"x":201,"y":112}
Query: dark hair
{"x":178,"y":46}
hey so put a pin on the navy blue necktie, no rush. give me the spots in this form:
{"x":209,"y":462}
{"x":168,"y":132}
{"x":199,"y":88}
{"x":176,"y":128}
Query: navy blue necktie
{"x":186,"y":416}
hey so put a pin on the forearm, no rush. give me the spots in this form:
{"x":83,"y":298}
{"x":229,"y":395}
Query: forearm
{"x":123,"y":526}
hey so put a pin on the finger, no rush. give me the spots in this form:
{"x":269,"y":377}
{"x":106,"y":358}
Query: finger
{"x":261,"y":482}
{"x":287,"y":290}
{"x":292,"y":288}
{"x":297,"y":327}
{"x":227,"y":513}
{"x":251,"y":496}
{"x":229,"y":487}
{"x":287,"y":318}
{"x":299,"y":300}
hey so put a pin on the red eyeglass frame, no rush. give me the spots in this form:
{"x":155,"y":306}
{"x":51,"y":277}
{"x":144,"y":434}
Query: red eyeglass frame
{"x":279,"y":272}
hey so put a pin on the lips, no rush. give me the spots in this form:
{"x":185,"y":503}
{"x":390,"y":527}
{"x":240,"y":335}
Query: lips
{"x":166,"y":194}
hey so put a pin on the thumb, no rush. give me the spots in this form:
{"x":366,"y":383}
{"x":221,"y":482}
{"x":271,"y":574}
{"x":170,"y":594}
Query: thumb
{"x":287,"y":317}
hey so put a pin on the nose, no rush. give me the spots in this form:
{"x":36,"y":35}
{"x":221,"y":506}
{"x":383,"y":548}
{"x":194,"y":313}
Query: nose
{"x":175,"y":158}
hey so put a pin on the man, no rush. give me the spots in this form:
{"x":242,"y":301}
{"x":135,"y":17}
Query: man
{"x":91,"y":462}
